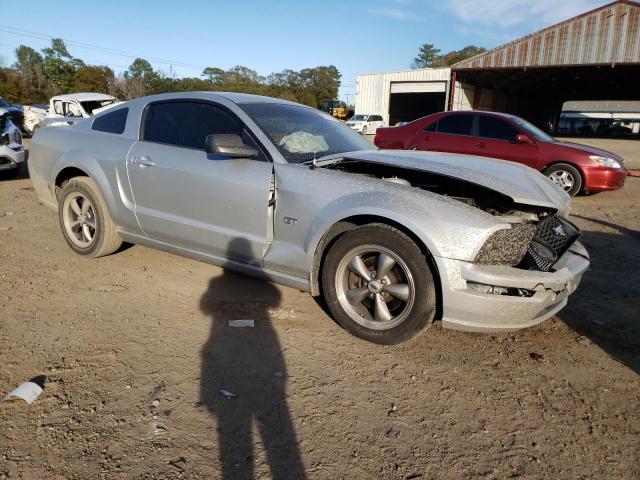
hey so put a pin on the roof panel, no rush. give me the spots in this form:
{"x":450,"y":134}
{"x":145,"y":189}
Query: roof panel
{"x":607,"y":35}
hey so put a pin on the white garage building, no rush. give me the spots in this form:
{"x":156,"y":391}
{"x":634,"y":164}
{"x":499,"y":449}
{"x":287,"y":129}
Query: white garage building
{"x":404,"y":95}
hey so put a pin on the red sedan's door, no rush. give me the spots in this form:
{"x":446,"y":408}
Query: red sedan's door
{"x":497,"y":138}
{"x":451,"y":133}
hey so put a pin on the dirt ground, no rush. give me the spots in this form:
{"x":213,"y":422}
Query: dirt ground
{"x":136,"y":348}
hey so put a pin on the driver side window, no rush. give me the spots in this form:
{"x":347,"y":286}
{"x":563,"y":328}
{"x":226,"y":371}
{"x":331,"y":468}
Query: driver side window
{"x":188,"y":123}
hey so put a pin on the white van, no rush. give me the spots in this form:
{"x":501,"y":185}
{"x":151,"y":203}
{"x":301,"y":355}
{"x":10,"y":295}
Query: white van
{"x":366,"y":124}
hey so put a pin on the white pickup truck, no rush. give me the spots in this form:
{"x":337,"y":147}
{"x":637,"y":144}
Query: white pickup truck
{"x":66,"y":109}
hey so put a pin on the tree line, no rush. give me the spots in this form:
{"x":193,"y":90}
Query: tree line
{"x":37,"y":76}
{"x":430,"y":57}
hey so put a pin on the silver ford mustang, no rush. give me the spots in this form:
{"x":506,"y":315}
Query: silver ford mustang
{"x":392,"y":240}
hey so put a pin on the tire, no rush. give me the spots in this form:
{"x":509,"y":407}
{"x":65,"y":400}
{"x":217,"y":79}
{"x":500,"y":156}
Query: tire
{"x":566,"y":177}
{"x":85,"y":221}
{"x":364,"y":130}
{"x":366,"y":307}
{"x":12,"y":173}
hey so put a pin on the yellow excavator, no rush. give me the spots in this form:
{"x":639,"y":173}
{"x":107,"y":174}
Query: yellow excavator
{"x":337,"y":109}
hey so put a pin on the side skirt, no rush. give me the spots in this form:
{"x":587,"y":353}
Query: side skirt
{"x":298,"y":283}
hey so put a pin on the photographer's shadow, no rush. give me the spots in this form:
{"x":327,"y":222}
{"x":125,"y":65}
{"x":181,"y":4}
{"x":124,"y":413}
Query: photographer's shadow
{"x":247,"y":362}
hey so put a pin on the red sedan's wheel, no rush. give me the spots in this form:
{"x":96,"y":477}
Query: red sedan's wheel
{"x":565,"y":176}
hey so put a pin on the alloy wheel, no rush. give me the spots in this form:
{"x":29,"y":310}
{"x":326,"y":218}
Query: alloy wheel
{"x":375,"y":287}
{"x":563,"y":179}
{"x":79,"y":219}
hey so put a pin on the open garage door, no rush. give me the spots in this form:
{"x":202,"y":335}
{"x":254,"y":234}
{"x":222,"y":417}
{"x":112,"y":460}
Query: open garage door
{"x":412,"y":100}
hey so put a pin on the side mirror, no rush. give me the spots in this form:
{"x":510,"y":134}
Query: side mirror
{"x":229,"y":145}
{"x":522,"y":138}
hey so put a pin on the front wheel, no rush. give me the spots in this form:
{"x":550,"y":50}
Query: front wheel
{"x":565,"y":176}
{"x":378,"y":284}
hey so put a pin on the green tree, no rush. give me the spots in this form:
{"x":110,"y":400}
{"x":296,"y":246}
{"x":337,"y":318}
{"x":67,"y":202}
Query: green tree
{"x":456,"y":56}
{"x":142,"y":79}
{"x":321,"y":82}
{"x":59,"y":67}
{"x":28,"y":64}
{"x":92,"y":78}
{"x":427,"y":55}
{"x":213,"y":74}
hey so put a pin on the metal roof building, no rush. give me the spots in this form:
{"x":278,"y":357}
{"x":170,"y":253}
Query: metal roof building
{"x":593,"y":56}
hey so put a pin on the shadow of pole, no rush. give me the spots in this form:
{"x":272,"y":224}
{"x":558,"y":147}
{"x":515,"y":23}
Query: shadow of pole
{"x":249,"y":363}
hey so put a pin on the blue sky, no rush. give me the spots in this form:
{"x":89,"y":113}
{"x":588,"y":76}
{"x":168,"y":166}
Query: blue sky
{"x":269,"y":36}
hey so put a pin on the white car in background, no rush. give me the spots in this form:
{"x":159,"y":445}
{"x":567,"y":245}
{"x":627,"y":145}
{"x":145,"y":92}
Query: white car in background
{"x":366,"y":124}
{"x":68,"y":109}
{"x":11,"y":149}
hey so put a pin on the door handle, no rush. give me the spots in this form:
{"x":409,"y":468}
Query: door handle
{"x":480,"y":144}
{"x":143,"y":161}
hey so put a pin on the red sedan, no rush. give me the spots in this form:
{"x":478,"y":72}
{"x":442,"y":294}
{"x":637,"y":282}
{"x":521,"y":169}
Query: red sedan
{"x":575,"y":168}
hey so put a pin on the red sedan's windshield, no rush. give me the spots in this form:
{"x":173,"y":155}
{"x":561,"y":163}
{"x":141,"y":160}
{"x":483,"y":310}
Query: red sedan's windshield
{"x":532,"y":130}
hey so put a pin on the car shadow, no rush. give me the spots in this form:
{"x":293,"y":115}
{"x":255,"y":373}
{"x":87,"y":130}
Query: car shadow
{"x":22,"y":173}
{"x":604,"y":308}
{"x":247,"y":362}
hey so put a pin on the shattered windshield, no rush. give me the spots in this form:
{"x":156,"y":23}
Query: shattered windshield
{"x":301,"y":133}
{"x":91,"y":105}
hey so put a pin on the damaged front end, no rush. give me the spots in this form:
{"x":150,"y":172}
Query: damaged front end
{"x":522,"y":274}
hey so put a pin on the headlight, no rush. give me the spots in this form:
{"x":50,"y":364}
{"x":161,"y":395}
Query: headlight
{"x":507,"y":246}
{"x":605,"y":161}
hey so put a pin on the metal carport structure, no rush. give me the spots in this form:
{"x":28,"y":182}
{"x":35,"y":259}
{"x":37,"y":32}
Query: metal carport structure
{"x":593,"y":56}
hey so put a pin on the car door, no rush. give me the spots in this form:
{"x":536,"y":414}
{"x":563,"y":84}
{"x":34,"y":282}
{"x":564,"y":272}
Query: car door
{"x":188,"y":198}
{"x":497,"y":138}
{"x":450,"y":133}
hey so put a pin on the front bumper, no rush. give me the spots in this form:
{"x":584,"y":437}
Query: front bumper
{"x":599,"y":179}
{"x":11,"y":156}
{"x":538,"y":295}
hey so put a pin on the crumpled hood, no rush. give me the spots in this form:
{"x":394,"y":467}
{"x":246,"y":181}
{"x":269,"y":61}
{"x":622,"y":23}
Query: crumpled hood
{"x":589,"y":150}
{"x":523,"y":184}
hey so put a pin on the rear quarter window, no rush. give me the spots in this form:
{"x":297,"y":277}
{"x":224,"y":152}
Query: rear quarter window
{"x":112,"y":122}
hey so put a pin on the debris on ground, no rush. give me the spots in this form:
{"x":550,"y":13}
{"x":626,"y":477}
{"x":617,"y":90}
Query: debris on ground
{"x":155,"y":393}
{"x":241,"y":323}
{"x":28,"y":391}
{"x":110,"y":288}
{"x":178,"y":463}
{"x":228,"y":394}
{"x":584,"y":340}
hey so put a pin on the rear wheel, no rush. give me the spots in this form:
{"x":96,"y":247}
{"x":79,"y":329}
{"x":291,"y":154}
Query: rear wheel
{"x":85,"y":221}
{"x":565,"y":176}
{"x":378,"y":284}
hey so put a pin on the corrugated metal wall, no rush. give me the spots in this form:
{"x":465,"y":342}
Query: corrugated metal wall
{"x":605,"y":36}
{"x":373,"y":90}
